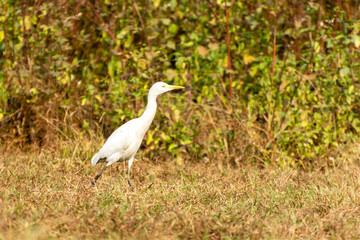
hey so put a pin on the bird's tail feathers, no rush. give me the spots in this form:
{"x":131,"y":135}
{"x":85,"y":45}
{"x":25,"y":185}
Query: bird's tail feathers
{"x":95,"y":159}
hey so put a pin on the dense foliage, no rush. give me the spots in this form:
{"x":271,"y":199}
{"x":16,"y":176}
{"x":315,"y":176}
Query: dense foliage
{"x":81,"y":67}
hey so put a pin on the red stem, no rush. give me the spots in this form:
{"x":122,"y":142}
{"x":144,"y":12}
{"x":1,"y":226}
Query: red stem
{"x":6,"y":40}
{"x":274,"y":44}
{"x":228,"y":49}
{"x":147,"y":40}
{"x":111,"y":34}
{"x":274,"y":52}
{"x":24,"y":5}
{"x":216,"y":16}
{"x":143,"y":26}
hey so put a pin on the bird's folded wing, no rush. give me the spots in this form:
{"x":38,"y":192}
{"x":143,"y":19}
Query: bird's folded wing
{"x":118,"y":142}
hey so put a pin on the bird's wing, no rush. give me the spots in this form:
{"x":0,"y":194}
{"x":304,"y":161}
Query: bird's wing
{"x":119,"y":141}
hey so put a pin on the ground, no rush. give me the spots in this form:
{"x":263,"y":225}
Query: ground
{"x":47,"y":194}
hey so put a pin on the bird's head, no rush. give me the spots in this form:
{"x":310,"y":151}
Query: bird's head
{"x":161,"y":87}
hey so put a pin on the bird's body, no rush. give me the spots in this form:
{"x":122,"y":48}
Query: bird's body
{"x":123,"y":144}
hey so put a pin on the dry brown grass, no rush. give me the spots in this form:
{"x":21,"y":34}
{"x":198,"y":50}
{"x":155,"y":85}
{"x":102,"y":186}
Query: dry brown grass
{"x":47,"y":194}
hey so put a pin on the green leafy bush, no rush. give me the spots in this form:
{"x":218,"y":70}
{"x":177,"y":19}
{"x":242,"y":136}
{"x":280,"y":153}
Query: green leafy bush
{"x":83,"y":67}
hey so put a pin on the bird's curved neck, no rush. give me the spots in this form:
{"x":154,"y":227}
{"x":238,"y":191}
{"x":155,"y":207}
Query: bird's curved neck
{"x":150,"y":110}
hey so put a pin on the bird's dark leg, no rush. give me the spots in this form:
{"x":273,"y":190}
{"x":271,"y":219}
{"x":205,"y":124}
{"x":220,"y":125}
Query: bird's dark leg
{"x":128,"y":179}
{"x":128,"y":176}
{"x":98,"y":175}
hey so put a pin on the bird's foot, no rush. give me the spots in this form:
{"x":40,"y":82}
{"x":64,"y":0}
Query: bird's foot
{"x":131,"y":185}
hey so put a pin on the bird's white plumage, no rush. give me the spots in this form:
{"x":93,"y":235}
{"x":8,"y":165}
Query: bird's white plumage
{"x":123,"y":144}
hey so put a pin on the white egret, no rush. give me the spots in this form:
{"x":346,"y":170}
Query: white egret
{"x":123,"y":144}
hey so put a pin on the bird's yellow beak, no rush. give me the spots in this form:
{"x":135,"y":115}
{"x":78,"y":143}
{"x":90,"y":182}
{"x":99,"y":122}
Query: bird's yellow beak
{"x":175,"y":87}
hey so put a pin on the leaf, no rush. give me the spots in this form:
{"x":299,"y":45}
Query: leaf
{"x":166,"y":21}
{"x":65,"y":79}
{"x":179,"y":161}
{"x":150,"y":137}
{"x":140,"y":112}
{"x":317,"y":116}
{"x":344,"y":72}
{"x":142,"y":64}
{"x":172,"y":146}
{"x":248,"y":59}
{"x":213,"y":21}
{"x":356,"y":40}
{"x":351,"y":89}
{"x":27,"y":22}
{"x":34,"y":91}
{"x":165,"y":137}
{"x":316,"y":47}
{"x":185,"y":142}
{"x":173,"y":28}
{"x":309,"y":76}
{"x":98,"y":97}
{"x":176,"y":115}
{"x":1,"y":36}
{"x":224,"y":61}
{"x":254,"y":70}
{"x":122,"y":34}
{"x":171,"y":45}
{"x":205,"y":90}
{"x":283,"y":85}
{"x":85,"y":124}
{"x":298,"y":23}
{"x":111,"y":68}
{"x":83,"y":101}
{"x":202,"y":50}
{"x":156,"y":3}
{"x":214,"y":46}
{"x":180,"y":14}
{"x":170,"y":74}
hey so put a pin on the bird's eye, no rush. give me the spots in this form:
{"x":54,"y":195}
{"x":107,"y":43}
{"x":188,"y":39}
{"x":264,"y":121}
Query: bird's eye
{"x":163,"y":85}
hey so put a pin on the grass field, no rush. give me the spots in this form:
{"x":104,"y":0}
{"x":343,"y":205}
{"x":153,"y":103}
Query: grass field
{"x":47,"y":194}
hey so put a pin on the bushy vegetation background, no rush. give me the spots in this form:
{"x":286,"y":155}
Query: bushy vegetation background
{"x":78,"y":69}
